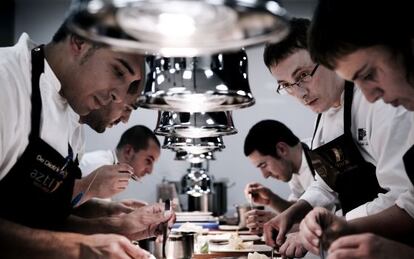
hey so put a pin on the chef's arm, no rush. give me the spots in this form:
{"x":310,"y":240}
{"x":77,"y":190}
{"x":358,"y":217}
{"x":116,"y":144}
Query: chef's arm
{"x":17,"y":241}
{"x":278,"y":203}
{"x":394,"y":223}
{"x":95,"y":208}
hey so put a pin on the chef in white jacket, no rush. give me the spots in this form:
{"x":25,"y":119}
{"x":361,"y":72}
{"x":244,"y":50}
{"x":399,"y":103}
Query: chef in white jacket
{"x":138,"y":148}
{"x":44,"y":91}
{"x":357,"y":146}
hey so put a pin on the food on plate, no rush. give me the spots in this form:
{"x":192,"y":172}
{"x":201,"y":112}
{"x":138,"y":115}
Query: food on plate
{"x":256,"y":255}
{"x":236,"y":242}
{"x":190,"y":227}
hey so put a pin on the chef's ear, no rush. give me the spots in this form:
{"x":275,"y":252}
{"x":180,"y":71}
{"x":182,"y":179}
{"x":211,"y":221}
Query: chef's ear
{"x":128,"y":151}
{"x":77,"y":44}
{"x":282,"y":149}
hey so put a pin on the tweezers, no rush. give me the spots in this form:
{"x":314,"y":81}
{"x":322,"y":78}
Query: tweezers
{"x":165,"y":228}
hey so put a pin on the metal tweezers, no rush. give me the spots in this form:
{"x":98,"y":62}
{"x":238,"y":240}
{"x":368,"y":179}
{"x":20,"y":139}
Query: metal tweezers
{"x":322,"y":252}
{"x":165,"y":227}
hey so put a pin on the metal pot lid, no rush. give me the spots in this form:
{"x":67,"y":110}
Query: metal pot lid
{"x":199,"y":84}
{"x":195,"y":125}
{"x":194,"y":145}
{"x":180,"y":28}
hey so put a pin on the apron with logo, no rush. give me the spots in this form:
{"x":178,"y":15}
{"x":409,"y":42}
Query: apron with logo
{"x":340,"y":164}
{"x":38,"y":189}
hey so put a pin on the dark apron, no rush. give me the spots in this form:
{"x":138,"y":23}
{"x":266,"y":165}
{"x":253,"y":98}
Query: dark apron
{"x":408,"y":160}
{"x":340,"y":164}
{"x":38,"y":189}
{"x":308,"y":159}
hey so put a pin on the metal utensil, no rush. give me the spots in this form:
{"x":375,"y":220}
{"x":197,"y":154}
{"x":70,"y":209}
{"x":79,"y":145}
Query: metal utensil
{"x":167,"y":208}
{"x":322,"y":252}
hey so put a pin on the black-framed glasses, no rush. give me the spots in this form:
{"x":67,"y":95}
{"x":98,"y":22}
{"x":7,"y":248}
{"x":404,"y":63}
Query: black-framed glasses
{"x":305,"y":77}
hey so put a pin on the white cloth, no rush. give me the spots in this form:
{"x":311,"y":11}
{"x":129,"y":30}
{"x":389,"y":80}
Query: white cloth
{"x":382,"y":135}
{"x":59,"y":123}
{"x":92,"y":160}
{"x":300,"y":181}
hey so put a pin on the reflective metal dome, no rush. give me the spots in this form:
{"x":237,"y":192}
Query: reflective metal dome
{"x":195,"y":125}
{"x":194,"y":145}
{"x":181,"y":28}
{"x":194,"y":158}
{"x":200,"y":84}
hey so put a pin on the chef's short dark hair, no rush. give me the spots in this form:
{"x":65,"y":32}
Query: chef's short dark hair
{"x":138,"y":137}
{"x":341,"y":27}
{"x":264,"y":136}
{"x":295,"y":40}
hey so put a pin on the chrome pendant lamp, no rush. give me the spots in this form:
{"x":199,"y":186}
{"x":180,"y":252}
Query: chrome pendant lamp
{"x":194,"y":158}
{"x":180,"y":28}
{"x":195,"y":125}
{"x":199,"y":84}
{"x":194,"y":145}
{"x":197,"y":181}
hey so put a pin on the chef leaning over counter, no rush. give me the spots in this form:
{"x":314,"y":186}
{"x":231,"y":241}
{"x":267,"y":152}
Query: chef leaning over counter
{"x":357,"y":146}
{"x":45,"y":89}
{"x":378,"y":55}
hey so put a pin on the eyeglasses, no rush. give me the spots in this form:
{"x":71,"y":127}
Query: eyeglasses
{"x":305,"y":77}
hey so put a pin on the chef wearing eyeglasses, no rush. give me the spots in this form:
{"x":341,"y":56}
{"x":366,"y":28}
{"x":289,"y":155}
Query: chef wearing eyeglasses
{"x":356,"y":146}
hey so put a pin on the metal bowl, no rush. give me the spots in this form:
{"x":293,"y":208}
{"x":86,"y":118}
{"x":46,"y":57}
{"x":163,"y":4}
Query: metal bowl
{"x":195,"y":125}
{"x":199,"y":84}
{"x":180,"y":28}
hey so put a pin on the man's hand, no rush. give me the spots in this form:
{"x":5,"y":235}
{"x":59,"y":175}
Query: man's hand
{"x":311,"y":232}
{"x":292,"y":247}
{"x":145,"y":222}
{"x":255,"y":219}
{"x":259,"y":193}
{"x":105,"y":182}
{"x":275,"y":230}
{"x":110,"y":246}
{"x":368,"y":246}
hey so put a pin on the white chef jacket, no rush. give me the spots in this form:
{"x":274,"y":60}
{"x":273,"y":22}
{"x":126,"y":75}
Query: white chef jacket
{"x":382,"y":134}
{"x":92,"y":160}
{"x":59,"y":123}
{"x":406,"y":200}
{"x":302,"y":180}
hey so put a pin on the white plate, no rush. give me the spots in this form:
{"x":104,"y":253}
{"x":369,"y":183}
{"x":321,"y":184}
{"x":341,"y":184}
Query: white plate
{"x":226,"y":237}
{"x":226,"y":248}
{"x":229,"y":227}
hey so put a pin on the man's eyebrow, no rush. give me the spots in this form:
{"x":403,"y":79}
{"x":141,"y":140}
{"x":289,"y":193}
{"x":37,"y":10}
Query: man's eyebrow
{"x":126,"y":65}
{"x":358,"y":72}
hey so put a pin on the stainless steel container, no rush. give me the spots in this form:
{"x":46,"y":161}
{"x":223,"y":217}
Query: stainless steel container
{"x":180,"y":245}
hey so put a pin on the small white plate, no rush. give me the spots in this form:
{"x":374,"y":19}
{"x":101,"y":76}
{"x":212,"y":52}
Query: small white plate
{"x":226,"y":237}
{"x":229,"y":227}
{"x":226,"y":248}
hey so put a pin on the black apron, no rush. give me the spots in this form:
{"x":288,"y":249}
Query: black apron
{"x":38,"y":189}
{"x":308,"y":159}
{"x":408,"y":160}
{"x":340,"y":164}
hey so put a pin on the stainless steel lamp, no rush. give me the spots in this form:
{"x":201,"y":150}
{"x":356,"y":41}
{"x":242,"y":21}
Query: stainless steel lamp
{"x":194,"y":158}
{"x":199,"y":84}
{"x":197,"y":181}
{"x":195,"y":125}
{"x":180,"y":28}
{"x":194,"y":145}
